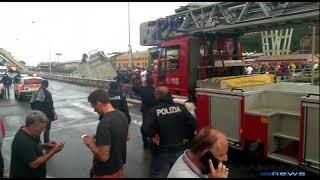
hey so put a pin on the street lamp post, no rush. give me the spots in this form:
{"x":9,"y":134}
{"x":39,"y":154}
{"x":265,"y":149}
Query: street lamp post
{"x":49,"y":47}
{"x":58,"y":54}
{"x":49,"y":57}
{"x":313,"y":42}
{"x":130,"y":48}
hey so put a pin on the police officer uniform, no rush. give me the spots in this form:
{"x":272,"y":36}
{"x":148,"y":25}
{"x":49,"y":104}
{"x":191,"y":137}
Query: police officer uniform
{"x":118,"y":99}
{"x":173,"y":124}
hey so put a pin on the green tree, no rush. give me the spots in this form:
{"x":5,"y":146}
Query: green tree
{"x":252,"y":41}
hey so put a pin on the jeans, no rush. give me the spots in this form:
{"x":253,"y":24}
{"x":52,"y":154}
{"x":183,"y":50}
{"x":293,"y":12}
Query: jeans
{"x":160,"y":159}
{"x":145,"y":138}
{"x":7,"y":90}
{"x":46,"y":133}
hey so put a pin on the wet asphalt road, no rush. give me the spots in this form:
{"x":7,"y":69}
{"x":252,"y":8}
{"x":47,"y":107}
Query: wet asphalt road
{"x":76,"y":118}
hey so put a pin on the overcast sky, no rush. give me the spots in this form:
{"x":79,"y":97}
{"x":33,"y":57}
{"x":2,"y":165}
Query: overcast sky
{"x":31,"y":30}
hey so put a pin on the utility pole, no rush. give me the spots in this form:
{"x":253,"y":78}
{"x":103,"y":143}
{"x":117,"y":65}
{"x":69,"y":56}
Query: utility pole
{"x":130,"y":48}
{"x":313,"y":41}
{"x":58,"y":54}
{"x":49,"y":57}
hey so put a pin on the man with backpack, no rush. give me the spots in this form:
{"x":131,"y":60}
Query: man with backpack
{"x":41,"y":100}
{"x":6,"y":81}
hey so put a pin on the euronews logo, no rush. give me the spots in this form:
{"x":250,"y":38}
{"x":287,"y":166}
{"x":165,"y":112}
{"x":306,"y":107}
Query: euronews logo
{"x":282,"y":173}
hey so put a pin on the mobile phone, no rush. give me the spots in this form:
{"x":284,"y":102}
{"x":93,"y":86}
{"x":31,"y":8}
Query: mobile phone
{"x":205,"y":160}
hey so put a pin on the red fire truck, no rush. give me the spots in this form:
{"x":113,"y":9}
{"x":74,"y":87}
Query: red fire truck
{"x":201,"y":64}
{"x":184,"y":60}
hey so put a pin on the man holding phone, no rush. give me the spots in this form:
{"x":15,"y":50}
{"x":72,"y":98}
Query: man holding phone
{"x":27,"y":157}
{"x":108,"y":145}
{"x":208,"y":149}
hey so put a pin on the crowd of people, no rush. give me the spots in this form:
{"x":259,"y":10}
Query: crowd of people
{"x":168,"y":129}
{"x":7,"y":81}
{"x":284,"y":69}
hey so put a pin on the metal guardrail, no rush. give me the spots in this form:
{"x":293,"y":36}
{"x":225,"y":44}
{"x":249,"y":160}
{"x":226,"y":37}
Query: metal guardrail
{"x":307,"y":75}
{"x":70,"y":75}
{"x":299,"y":75}
{"x":90,"y":82}
{"x":78,"y":80}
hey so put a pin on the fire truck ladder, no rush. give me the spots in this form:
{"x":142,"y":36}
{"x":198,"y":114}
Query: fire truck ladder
{"x":229,"y":17}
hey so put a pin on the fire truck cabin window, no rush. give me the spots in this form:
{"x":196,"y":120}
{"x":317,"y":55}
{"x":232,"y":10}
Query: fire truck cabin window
{"x":171,"y":54}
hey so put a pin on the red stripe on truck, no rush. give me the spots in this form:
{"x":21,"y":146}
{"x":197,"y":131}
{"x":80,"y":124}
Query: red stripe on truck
{"x":203,"y":107}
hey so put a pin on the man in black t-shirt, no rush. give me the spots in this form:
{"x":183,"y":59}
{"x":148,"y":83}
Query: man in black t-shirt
{"x":27,"y":158}
{"x":108,"y":145}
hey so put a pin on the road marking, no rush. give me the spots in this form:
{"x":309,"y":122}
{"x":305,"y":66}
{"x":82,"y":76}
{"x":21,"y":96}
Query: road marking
{"x":88,"y":109}
{"x":134,"y":100}
{"x":135,"y":115}
{"x":139,"y":123}
{"x":83,"y":107}
{"x":57,"y":129}
{"x":55,"y":123}
{"x":78,"y":125}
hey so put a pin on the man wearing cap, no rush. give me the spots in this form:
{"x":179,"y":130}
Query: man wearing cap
{"x":41,"y":100}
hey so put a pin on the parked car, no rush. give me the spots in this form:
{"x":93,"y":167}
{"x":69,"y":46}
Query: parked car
{"x":26,"y":86}
{"x":3,"y":70}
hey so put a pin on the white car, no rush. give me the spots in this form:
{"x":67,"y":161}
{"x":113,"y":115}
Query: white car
{"x":26,"y":86}
{"x":3,"y":70}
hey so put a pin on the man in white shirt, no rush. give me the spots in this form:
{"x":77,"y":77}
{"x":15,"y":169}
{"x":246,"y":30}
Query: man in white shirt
{"x":143,"y":75}
{"x":249,"y":70}
{"x":192,"y":164}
